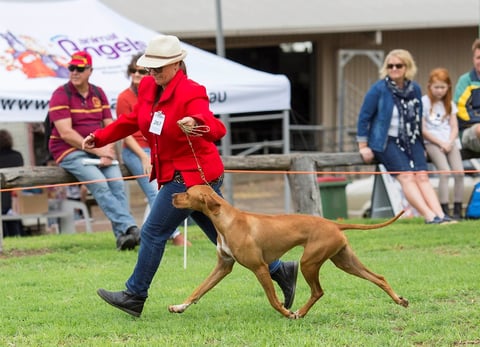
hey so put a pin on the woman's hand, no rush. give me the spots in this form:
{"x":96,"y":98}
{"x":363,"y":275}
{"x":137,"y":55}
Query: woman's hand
{"x":367,"y":154}
{"x":190,"y":126}
{"x":187,"y":121}
{"x":187,"y":124}
{"x":88,"y":142}
{"x":146,"y":164}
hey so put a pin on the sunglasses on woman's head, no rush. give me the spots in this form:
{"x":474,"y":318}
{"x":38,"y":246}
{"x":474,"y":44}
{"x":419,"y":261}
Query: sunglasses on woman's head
{"x":72,"y":68}
{"x":140,"y":71}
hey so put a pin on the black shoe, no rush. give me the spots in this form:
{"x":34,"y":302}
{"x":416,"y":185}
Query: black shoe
{"x":457,"y":217}
{"x":286,"y":277}
{"x":125,"y":241}
{"x":457,"y":211}
{"x":445,"y":209}
{"x":135,"y":232}
{"x":125,"y":301}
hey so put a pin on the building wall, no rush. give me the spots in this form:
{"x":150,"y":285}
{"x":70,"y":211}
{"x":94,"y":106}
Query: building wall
{"x":449,"y":48}
{"x":431,"y":48}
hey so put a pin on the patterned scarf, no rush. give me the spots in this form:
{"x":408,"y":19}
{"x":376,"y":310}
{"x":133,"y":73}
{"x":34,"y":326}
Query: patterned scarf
{"x":409,"y":115}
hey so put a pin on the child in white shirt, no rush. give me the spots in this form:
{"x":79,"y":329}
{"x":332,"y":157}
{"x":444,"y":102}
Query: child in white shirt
{"x":440,"y":132}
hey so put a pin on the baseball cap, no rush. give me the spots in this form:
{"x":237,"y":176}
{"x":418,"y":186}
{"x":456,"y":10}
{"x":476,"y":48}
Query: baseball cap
{"x":81,"y":58}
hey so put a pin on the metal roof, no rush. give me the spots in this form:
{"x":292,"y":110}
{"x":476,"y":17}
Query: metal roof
{"x":197,"y":18}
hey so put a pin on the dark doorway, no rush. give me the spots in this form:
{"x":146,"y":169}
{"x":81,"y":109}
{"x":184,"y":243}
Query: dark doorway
{"x":294,"y":61}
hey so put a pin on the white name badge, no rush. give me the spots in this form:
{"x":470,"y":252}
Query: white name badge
{"x":157,"y":123}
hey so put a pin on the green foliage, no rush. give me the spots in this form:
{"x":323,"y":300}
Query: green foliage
{"x":48,"y":286}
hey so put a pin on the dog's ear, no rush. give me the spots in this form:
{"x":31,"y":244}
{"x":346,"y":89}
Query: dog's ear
{"x":212,"y":204}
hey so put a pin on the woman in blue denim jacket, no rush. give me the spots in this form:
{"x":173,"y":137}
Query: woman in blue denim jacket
{"x":389,"y":131}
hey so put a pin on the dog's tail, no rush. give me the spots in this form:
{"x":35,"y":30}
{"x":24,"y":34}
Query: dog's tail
{"x":344,"y":226}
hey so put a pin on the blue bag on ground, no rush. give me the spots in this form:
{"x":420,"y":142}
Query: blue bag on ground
{"x":473,"y":207}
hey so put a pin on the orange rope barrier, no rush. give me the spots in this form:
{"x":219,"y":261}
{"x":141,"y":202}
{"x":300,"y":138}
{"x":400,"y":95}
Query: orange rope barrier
{"x":70,"y":184}
{"x":443,"y":172}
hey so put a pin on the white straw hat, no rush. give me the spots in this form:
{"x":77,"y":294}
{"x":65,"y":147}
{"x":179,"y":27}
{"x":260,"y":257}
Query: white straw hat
{"x":162,"y":50}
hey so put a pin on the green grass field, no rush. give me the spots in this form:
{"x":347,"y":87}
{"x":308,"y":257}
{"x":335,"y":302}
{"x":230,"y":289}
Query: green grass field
{"x":48,"y":294}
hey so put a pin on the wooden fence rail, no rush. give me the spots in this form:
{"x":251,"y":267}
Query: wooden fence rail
{"x":304,"y":187}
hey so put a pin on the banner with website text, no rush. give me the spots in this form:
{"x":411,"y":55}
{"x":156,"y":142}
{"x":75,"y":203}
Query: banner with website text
{"x":35,"y":50}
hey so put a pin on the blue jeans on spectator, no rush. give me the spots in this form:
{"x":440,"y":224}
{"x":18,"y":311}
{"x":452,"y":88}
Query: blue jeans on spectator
{"x":110,"y":195}
{"x":157,"y":229}
{"x":134,"y":165}
{"x":149,"y":188}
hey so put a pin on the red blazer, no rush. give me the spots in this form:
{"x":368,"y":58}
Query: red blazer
{"x":170,"y":150}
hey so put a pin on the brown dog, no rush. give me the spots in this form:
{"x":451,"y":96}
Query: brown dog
{"x":255,"y":240}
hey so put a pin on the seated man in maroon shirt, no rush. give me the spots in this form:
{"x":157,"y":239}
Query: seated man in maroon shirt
{"x":76,"y":110}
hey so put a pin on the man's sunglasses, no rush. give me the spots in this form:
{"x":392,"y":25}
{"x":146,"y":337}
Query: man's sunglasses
{"x":72,"y":68}
{"x":140,"y":71}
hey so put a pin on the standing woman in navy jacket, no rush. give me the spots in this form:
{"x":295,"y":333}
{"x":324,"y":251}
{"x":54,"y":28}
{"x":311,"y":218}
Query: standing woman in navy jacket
{"x":167,"y":99}
{"x":389,"y":131}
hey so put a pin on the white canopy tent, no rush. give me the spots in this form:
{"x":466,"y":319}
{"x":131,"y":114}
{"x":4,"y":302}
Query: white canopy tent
{"x":36,"y":39}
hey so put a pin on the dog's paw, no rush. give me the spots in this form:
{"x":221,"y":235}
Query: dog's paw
{"x":294,"y":315}
{"x":177,"y":308}
{"x":403,"y":302}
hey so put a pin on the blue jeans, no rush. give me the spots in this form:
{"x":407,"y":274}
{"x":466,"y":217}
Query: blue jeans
{"x":134,"y":165}
{"x":149,"y":188}
{"x":157,"y":229}
{"x":110,"y":195}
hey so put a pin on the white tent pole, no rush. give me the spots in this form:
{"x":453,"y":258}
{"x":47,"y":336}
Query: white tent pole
{"x":185,"y":242}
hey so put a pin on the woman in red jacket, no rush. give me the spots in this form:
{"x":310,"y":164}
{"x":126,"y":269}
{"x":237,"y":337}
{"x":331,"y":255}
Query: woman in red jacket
{"x":136,"y":150}
{"x":167,"y":99}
